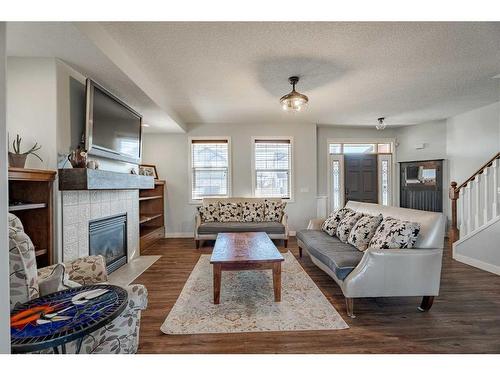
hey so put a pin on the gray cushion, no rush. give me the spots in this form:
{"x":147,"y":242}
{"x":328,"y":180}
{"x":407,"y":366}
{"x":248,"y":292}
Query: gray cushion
{"x":340,"y":257}
{"x":269,"y":227}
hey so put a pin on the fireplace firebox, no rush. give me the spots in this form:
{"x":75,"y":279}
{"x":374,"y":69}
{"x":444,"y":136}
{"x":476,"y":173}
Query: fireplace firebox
{"x":108,"y":237}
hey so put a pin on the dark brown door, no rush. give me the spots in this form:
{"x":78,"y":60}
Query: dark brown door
{"x":361,"y":182}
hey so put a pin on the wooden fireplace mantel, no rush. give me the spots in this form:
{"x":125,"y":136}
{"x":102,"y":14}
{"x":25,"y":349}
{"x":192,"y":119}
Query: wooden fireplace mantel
{"x":97,"y":179}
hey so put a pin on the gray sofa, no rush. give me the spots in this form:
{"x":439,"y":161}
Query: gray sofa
{"x":381,"y":272}
{"x":209,"y":230}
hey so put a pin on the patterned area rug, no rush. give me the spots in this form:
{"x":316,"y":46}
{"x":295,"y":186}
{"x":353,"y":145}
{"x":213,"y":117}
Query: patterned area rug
{"x":247,"y":303}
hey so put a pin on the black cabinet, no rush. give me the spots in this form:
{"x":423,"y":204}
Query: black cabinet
{"x":421,"y":185}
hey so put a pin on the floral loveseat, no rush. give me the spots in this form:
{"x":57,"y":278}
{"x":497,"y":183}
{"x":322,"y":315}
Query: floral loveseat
{"x":27,"y":283}
{"x":218,"y":215}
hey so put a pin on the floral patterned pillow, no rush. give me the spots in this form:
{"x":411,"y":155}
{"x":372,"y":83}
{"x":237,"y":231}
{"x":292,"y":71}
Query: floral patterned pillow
{"x":346,"y":224}
{"x":395,"y":234}
{"x":330,"y":224}
{"x":229,"y":211}
{"x":363,"y":231}
{"x":209,"y":212}
{"x":274,"y":210}
{"x":252,"y":211}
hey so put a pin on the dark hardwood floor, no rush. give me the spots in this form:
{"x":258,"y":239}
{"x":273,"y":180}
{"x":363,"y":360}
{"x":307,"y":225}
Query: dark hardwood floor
{"x":465,"y":317}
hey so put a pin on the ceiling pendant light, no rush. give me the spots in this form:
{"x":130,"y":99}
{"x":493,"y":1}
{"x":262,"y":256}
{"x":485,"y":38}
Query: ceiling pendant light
{"x":381,"y":125}
{"x":293,"y":101}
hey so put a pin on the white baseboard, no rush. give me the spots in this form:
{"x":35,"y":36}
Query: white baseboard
{"x":477,"y":263}
{"x":291,"y":233}
{"x":179,"y":235}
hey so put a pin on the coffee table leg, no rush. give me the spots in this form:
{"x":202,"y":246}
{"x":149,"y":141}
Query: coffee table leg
{"x":277,"y":281}
{"x":217,"y":282}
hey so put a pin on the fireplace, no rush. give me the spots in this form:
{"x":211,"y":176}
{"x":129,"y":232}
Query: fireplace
{"x":108,"y":237}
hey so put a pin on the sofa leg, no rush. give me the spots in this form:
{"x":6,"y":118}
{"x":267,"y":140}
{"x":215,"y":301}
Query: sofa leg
{"x":285,"y":243}
{"x":197,"y":242}
{"x":300,"y":252}
{"x":349,"y":304}
{"x":426,"y":303}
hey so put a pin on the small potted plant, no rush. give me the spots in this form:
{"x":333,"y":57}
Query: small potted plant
{"x":17,"y":159}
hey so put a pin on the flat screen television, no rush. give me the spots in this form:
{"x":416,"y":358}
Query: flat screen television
{"x":113,"y":129}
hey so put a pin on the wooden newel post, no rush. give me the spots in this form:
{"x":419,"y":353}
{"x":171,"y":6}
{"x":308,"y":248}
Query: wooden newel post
{"x":454,"y":194}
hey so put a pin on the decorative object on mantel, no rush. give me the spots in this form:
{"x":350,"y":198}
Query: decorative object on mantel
{"x":17,"y":159}
{"x":293,"y":101}
{"x":78,"y":157}
{"x":93,"y":164}
{"x":30,"y":199}
{"x":381,"y":125}
{"x":148,"y":170}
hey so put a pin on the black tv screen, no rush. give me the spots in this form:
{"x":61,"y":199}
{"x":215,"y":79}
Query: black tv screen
{"x":113,"y":128}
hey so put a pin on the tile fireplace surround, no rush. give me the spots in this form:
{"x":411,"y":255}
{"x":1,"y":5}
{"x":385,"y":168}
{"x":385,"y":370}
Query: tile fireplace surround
{"x":79,"y":207}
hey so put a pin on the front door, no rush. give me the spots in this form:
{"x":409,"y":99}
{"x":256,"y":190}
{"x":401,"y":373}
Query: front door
{"x":361,"y":181}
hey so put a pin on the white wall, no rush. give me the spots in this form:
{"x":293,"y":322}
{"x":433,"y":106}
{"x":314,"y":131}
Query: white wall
{"x":432,"y":135}
{"x":4,"y":255}
{"x":471,"y":139}
{"x":170,"y":154}
{"x":31,"y":107}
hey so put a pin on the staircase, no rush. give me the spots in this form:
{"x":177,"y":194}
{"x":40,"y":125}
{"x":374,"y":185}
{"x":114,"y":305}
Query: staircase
{"x":475,"y":227}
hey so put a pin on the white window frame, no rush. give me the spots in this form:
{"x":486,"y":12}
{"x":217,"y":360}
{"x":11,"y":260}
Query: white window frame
{"x":292,"y":164}
{"x":392,"y":167}
{"x":190,"y":166}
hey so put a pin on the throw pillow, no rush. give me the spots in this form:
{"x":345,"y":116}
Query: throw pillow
{"x":331,"y":223}
{"x":395,"y":234}
{"x":274,"y":210}
{"x":54,"y":281}
{"x":346,"y":224}
{"x":229,"y":212}
{"x":363,"y":231}
{"x":252,"y":211}
{"x":209,"y":212}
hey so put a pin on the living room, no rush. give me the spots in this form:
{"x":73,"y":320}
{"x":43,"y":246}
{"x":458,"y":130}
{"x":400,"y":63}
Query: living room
{"x":251,"y":187}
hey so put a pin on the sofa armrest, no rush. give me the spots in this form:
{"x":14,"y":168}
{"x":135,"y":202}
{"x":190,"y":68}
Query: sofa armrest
{"x":87,"y":270}
{"x":284,"y":221}
{"x":197,"y":223}
{"x":395,"y":272}
{"x":315,"y":224}
{"x":137,"y":297}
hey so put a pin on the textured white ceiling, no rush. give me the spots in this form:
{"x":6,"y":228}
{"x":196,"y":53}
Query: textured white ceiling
{"x":352,"y":72}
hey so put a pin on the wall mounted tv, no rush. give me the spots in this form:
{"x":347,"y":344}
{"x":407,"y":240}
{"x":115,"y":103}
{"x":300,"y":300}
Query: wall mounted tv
{"x":113,"y":129}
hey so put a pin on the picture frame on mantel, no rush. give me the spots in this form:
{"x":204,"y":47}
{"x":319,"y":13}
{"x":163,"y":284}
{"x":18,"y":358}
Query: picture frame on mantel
{"x":148,"y":170}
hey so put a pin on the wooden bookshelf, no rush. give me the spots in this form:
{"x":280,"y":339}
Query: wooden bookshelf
{"x":31,"y":200}
{"x":152,"y":214}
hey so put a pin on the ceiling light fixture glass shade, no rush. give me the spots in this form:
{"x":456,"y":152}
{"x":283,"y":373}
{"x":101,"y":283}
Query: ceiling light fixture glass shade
{"x":293,"y":101}
{"x":381,"y":125}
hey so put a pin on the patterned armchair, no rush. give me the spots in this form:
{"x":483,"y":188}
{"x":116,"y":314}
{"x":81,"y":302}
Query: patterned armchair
{"x":27,"y":283}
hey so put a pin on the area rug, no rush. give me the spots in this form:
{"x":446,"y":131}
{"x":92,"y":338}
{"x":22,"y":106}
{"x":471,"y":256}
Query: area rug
{"x":247,"y":303}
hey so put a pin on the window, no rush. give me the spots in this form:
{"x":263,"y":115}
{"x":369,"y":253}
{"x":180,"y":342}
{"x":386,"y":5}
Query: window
{"x":359,"y":148}
{"x":209,"y":168}
{"x":272,"y":168}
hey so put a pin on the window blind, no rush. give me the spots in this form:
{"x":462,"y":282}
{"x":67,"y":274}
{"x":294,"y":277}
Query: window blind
{"x":273,"y":168}
{"x":210,"y":165}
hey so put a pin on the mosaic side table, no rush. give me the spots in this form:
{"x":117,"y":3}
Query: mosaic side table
{"x":58,"y":318}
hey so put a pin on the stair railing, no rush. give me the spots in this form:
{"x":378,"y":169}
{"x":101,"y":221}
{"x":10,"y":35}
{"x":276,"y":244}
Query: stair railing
{"x":469,"y":194}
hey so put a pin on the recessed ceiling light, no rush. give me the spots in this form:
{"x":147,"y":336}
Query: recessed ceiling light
{"x":146,"y":125}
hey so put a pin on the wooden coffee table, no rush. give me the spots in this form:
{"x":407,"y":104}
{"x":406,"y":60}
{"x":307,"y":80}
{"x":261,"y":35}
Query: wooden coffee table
{"x":245,"y":251}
